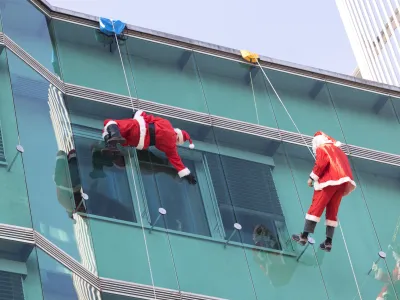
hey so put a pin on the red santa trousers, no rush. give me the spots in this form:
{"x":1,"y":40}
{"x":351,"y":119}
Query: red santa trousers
{"x":328,"y":198}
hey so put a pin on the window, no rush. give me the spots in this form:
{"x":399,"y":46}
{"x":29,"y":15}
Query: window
{"x":11,"y":286}
{"x":110,"y":193}
{"x":246,"y":194}
{"x":164,"y":188}
{"x":232,"y":187}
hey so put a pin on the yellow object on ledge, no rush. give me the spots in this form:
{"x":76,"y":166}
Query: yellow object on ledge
{"x":249,"y":56}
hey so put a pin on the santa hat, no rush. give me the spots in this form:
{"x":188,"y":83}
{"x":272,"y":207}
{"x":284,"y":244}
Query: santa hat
{"x":321,"y":138}
{"x":183,"y":136}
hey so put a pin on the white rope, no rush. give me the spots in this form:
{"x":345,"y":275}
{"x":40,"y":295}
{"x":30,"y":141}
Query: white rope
{"x":280,"y":100}
{"x":133,"y":174}
{"x":305,"y":142}
{"x":254,"y":97}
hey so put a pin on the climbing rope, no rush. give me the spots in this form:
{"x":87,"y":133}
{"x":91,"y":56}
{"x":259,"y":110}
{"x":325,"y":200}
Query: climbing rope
{"x":132,"y":172}
{"x":252,"y":57}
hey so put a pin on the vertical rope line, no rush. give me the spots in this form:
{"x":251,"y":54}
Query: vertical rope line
{"x":340,"y":227}
{"x":254,"y":97}
{"x":133,"y":175}
{"x":223,"y":170}
{"x":361,"y":188}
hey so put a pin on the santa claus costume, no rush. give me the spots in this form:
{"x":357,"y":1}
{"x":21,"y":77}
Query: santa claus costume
{"x":332,"y":179}
{"x":143,"y":131}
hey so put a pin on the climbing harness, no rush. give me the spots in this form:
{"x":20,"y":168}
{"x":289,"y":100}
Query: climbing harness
{"x":254,"y":58}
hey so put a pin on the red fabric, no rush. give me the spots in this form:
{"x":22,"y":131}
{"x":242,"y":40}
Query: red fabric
{"x":164,"y":132}
{"x":129,"y":129}
{"x":332,"y":168}
{"x":329,"y":198}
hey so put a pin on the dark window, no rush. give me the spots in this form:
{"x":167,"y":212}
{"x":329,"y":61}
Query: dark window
{"x":164,"y":188}
{"x":109,"y":195}
{"x":11,"y":286}
{"x":246,"y":194}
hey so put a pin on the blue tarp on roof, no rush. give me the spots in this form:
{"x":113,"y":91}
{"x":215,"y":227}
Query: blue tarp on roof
{"x":109,"y":26}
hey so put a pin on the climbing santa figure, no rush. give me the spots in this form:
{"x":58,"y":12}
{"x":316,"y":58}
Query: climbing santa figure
{"x":332,"y":179}
{"x":143,"y":131}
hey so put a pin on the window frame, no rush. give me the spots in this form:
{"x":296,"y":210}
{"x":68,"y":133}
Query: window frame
{"x":85,"y":128}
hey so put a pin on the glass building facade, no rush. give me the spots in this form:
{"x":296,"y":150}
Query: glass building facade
{"x":66,"y":234}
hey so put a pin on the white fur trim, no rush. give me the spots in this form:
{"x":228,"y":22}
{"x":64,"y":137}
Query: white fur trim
{"x":312,"y":218}
{"x":138,"y":113}
{"x":142,"y":130}
{"x":331,"y":223}
{"x":109,"y":123}
{"x":318,"y":141}
{"x":319,"y":186}
{"x":338,"y":144}
{"x":191,"y":146}
{"x":314,"y":176}
{"x":183,"y":172}
{"x":71,"y":155}
{"x":105,"y":127}
{"x":179,"y":135}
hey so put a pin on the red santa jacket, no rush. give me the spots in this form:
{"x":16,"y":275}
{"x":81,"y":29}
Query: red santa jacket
{"x":136,"y":133}
{"x":331,"y":166}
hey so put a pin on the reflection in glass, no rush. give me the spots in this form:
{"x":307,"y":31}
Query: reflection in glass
{"x":165,"y":189}
{"x":60,"y":283}
{"x":27,"y":26}
{"x":87,"y":61}
{"x":249,"y":197}
{"x":374,"y":114}
{"x":51,"y":177}
{"x":19,"y":271}
{"x":164,"y":74}
{"x":14,"y":206}
{"x":226,"y":84}
{"x":105,"y":180}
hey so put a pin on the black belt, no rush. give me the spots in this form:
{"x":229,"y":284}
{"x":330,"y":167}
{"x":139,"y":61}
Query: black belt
{"x":152,"y":131}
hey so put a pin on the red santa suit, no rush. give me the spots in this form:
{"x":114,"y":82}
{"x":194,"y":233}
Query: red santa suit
{"x":136,"y":131}
{"x":333,"y":179}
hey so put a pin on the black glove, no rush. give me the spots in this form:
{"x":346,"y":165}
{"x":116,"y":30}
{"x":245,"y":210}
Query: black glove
{"x":190,"y":178}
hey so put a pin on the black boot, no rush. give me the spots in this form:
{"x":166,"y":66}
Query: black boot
{"x":114,"y":136}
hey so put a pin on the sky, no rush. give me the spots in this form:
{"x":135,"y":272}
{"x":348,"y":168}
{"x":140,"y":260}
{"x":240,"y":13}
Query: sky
{"x":308,"y":32}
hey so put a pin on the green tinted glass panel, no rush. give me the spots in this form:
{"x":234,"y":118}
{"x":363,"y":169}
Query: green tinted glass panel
{"x":14,"y":205}
{"x":27,"y":26}
{"x":87,"y":60}
{"x":307,"y":101}
{"x":19,"y":271}
{"x":363,"y":112}
{"x":165,"y":74}
{"x":44,"y":132}
{"x":234,"y":90}
{"x":377,"y":180}
{"x":58,"y":282}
